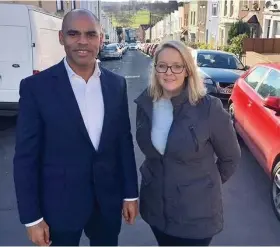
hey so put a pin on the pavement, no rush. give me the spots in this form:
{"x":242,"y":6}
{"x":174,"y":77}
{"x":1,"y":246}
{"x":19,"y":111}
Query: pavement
{"x":248,"y":215}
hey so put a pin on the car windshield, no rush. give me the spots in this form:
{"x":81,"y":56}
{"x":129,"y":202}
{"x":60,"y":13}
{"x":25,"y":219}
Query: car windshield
{"x":219,"y":60}
{"x":110,"y":47}
{"x":132,"y":44}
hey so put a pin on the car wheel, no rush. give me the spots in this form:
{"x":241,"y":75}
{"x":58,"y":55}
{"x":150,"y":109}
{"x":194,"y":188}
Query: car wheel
{"x":231,"y":112}
{"x":275,"y":190}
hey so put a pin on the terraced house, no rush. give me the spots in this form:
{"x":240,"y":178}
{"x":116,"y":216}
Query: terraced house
{"x":229,"y":14}
{"x":222,"y":14}
{"x":193,"y":22}
{"x":58,"y":7}
{"x":252,"y":13}
{"x":271,"y":19}
{"x":212,"y":23}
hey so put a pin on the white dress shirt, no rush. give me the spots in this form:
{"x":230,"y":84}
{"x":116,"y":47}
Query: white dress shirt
{"x":90,"y":101}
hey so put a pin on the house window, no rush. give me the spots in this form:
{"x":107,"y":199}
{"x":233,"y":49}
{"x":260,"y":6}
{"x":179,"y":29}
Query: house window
{"x":194,"y":18}
{"x":215,"y":9}
{"x":277,"y":28}
{"x":225,"y":9}
{"x":191,"y":18}
{"x":244,"y":4}
{"x":73,"y":4}
{"x":268,"y":28}
{"x":59,"y":5}
{"x":231,"y":7}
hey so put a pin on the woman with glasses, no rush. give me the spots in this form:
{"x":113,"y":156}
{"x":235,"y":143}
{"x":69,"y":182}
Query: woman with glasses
{"x":190,"y":149}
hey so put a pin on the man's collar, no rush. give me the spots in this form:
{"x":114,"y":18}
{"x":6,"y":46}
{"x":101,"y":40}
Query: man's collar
{"x":71,"y":73}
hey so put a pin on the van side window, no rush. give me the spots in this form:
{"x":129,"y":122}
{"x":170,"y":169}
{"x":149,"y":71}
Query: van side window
{"x":256,"y":76}
{"x":270,"y":85}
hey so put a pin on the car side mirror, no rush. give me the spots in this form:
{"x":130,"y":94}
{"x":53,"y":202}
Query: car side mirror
{"x":246,"y":67}
{"x":273,"y":103}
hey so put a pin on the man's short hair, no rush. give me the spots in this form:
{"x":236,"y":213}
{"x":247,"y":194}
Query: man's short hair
{"x":78,"y":12}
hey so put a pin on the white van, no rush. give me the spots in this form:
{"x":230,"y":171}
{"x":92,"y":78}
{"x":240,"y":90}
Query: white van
{"x":29,"y":43}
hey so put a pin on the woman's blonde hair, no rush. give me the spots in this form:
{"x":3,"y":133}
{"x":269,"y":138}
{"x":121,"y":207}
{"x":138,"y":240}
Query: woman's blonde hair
{"x":195,"y":86}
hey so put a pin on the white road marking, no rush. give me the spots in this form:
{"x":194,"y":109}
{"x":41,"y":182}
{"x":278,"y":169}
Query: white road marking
{"x":132,"y":76}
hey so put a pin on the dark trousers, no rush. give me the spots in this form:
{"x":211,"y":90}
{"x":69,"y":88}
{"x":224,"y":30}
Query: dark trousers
{"x":167,"y":240}
{"x":100,"y":232}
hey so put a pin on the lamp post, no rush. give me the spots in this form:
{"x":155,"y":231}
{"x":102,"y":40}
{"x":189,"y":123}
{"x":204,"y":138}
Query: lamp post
{"x":150,"y":21}
{"x":98,"y":9}
{"x":201,"y":16}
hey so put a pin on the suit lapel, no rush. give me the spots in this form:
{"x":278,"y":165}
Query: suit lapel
{"x":108,"y":104}
{"x":67,"y":97}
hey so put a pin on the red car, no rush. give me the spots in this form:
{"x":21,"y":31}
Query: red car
{"x":255,"y":109}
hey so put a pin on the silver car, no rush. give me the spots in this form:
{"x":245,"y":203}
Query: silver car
{"x":111,"y":51}
{"x":132,"y":46}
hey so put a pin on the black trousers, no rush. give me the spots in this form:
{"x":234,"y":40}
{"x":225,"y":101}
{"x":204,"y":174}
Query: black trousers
{"x":100,"y":232}
{"x":167,"y":240}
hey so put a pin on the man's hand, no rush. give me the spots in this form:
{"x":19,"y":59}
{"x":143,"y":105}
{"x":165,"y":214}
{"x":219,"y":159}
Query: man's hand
{"x":39,"y":234}
{"x":130,"y":211}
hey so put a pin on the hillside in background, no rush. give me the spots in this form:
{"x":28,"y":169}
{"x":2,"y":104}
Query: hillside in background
{"x":133,"y":14}
{"x":129,"y":19}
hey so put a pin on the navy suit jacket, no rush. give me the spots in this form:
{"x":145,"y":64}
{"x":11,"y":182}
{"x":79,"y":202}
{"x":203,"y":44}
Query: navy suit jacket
{"x":58,"y":173}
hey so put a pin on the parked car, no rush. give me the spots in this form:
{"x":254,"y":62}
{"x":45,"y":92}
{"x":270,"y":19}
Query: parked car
{"x":255,"y":109}
{"x":152,"y":52}
{"x":132,"y":46}
{"x":123,"y":47}
{"x":219,"y":70}
{"x":111,"y":51}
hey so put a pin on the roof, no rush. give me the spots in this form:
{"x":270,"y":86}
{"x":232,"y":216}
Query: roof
{"x":145,"y":26}
{"x":184,"y":30}
{"x":250,"y":18}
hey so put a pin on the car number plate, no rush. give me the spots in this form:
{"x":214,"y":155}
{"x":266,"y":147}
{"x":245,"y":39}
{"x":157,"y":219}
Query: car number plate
{"x":225,"y":90}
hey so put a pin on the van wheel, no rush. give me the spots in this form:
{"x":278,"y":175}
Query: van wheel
{"x":275,"y":190}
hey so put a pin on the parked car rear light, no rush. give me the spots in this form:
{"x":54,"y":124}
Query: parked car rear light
{"x":35,"y":72}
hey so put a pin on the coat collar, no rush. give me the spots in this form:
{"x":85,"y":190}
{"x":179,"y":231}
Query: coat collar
{"x":145,"y":100}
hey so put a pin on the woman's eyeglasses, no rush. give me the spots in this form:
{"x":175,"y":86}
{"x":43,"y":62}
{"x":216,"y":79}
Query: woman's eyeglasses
{"x":176,"y":68}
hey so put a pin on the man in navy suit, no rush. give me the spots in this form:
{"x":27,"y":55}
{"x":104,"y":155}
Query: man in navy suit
{"x":74,"y":164}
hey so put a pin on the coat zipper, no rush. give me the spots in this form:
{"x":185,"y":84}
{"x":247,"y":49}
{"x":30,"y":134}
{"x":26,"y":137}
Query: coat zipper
{"x":164,"y":172}
{"x":194,"y":137}
{"x":162,"y":156}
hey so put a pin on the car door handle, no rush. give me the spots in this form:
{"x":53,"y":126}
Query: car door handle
{"x":249,"y":103}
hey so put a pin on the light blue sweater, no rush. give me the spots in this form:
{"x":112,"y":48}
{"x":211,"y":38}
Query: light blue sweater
{"x":161,"y":123}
